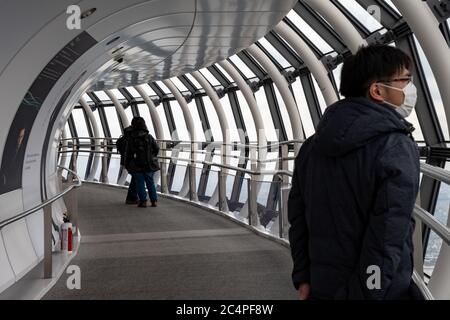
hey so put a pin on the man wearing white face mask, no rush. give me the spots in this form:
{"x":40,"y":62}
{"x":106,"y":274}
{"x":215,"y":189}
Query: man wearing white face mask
{"x":355,"y":184}
{"x":407,"y":94}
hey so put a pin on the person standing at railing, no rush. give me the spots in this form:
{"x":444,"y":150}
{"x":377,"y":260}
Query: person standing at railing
{"x":121,"y":145}
{"x":355,"y":185}
{"x":139,"y":152}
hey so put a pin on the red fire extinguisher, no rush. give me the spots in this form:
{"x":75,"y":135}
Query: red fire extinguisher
{"x":69,"y":240}
{"x":66,"y":237}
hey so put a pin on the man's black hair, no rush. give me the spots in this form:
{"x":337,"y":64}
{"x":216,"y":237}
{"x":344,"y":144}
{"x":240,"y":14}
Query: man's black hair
{"x":138,"y":123}
{"x":370,"y":64}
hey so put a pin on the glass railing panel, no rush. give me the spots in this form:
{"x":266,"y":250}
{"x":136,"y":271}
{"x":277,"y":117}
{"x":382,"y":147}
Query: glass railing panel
{"x":235,"y":201}
{"x":267,"y":205}
{"x":178,"y":178}
{"x":435,"y":242}
{"x":82,"y":161}
{"x":114,"y":169}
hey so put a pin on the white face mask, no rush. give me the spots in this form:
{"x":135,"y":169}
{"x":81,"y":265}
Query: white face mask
{"x":410,"y":92}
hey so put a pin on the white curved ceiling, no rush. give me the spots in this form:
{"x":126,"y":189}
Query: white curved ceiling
{"x":158,"y":38}
{"x":167,"y":38}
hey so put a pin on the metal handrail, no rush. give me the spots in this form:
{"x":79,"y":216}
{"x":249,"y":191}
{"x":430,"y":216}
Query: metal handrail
{"x":87,"y":151}
{"x":234,"y":168}
{"x":174,"y":158}
{"x":270,"y":144}
{"x":435,"y":173}
{"x":229,"y":167}
{"x":41,"y":206}
{"x":434,"y":224}
{"x":422,"y":286}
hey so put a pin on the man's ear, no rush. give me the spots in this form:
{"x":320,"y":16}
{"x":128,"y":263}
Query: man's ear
{"x":376,"y":92}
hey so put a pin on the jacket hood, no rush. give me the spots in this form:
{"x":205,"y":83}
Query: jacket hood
{"x":135,"y":133}
{"x":352,"y":123}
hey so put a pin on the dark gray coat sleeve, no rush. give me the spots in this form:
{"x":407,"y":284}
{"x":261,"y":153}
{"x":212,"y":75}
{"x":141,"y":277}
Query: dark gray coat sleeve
{"x":298,"y":231}
{"x":389,"y":227}
{"x":154,"y":146}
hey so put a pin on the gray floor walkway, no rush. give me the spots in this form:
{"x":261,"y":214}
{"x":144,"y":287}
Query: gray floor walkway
{"x":174,"y":251}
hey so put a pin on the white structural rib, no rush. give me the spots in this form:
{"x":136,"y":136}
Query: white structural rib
{"x":251,"y":101}
{"x":64,"y":144}
{"x":212,"y":94}
{"x":191,"y":128}
{"x":339,"y":22}
{"x":314,"y":65}
{"x":283,"y":86}
{"x":90,"y":115}
{"x":126,"y":123}
{"x":156,"y":120}
{"x":119,"y":108}
{"x":426,"y":28}
{"x":184,"y":108}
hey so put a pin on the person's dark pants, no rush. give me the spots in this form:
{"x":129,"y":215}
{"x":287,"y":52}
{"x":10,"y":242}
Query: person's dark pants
{"x":137,"y":187}
{"x":132,"y":192}
{"x":151,"y":186}
{"x":139,"y":179}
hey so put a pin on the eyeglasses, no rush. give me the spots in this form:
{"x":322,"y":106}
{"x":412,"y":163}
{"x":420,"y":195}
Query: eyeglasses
{"x":404,"y":79}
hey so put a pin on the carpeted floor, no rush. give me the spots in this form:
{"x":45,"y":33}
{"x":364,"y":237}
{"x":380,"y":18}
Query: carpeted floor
{"x":174,"y":251}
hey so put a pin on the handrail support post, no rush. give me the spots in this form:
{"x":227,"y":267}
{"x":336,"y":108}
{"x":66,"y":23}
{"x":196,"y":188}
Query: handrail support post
{"x":48,"y":274}
{"x":252,"y":192}
{"x":164,"y":189}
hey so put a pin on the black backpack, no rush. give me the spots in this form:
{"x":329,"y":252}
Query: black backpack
{"x":121,"y":146}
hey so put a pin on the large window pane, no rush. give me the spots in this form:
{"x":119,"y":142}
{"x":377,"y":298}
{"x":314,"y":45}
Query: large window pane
{"x":309,"y":32}
{"x":200,"y":135}
{"x":337,"y":77}
{"x":241,"y":66}
{"x":165,"y":125}
{"x":208,"y":75}
{"x":322,"y":103}
{"x":102,"y":96}
{"x":213,"y":120}
{"x":276,"y":55}
{"x":180,"y":122}
{"x":392,"y":5}
{"x":224,"y":72}
{"x":178,"y":179}
{"x":302,"y":104}
{"x":99,"y":124}
{"x":417,"y":134}
{"x":441,"y":213}
{"x":149,"y":91}
{"x":67,"y":131}
{"x":113,"y":122}
{"x":129,"y":113}
{"x":434,"y":89}
{"x":145,"y":113}
{"x":118,"y":94}
{"x":193,"y":81}
{"x":163,"y":87}
{"x":284,"y":114}
{"x":234,"y":136}
{"x":271,"y":134}
{"x":248,"y":117}
{"x":87,"y":98}
{"x":179,"y":84}
{"x":366,"y":19}
{"x":80,"y":123}
{"x":135,"y":94}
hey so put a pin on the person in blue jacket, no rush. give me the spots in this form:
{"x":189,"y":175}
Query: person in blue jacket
{"x":355,"y":185}
{"x":139,"y":151}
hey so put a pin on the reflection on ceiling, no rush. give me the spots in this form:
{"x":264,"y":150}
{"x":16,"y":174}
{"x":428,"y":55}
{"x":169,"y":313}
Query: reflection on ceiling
{"x":183,"y":36}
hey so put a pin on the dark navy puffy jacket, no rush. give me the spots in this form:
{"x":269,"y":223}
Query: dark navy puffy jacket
{"x":353,"y":192}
